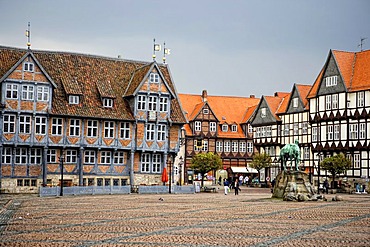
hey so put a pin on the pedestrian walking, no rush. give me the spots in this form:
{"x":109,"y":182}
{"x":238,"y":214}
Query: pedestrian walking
{"x":226,"y":186}
{"x":326,"y":186}
{"x":236,"y":187}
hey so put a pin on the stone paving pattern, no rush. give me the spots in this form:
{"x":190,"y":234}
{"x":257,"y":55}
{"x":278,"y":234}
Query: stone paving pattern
{"x":252,"y":218}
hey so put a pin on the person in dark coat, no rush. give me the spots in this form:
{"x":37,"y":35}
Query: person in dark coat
{"x":236,"y":187}
{"x":326,"y":186}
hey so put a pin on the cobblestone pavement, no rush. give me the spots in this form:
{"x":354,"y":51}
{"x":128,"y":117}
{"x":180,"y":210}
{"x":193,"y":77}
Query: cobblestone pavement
{"x":252,"y":218}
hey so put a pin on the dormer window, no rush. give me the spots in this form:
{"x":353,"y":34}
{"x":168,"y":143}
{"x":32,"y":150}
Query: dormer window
{"x":234,"y":128}
{"x":295,"y":102}
{"x":74,"y":99}
{"x":225,"y":127}
{"x":154,"y":78}
{"x":263,"y":112}
{"x":28,"y":66}
{"x":331,"y":81}
{"x":108,"y":102}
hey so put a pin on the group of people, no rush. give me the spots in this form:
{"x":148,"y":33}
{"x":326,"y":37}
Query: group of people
{"x":233,"y":185}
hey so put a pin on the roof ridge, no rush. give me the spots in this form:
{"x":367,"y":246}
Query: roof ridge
{"x":353,"y":71}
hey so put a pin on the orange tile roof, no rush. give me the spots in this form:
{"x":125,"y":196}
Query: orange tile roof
{"x":277,"y":104}
{"x":303,"y":91}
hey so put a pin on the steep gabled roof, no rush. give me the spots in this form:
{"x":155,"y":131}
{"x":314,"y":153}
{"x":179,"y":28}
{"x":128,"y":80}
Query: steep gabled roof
{"x":303,"y":91}
{"x":278,"y":103}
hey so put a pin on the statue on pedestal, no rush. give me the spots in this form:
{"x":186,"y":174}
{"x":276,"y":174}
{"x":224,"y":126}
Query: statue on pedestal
{"x":290,"y":152}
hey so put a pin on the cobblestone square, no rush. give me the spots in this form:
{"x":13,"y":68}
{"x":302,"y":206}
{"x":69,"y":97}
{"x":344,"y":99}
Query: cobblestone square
{"x":204,"y":219}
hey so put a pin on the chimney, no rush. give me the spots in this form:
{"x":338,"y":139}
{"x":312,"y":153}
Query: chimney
{"x":204,"y":95}
{"x":252,"y":96}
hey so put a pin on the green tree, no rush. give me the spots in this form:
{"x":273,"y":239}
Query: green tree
{"x":335,"y":165}
{"x":205,"y":162}
{"x":260,"y":161}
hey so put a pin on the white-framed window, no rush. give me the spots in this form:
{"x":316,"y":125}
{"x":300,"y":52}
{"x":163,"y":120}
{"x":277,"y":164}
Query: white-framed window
{"x":304,"y":128}
{"x":150,"y":131}
{"x":20,"y":156}
{"x":314,"y":134}
{"x":212,"y":127}
{"x":295,"y":129}
{"x":329,"y":132}
{"x":356,"y":161}
{"x":107,"y":102}
{"x":249,"y":147}
{"x":263,"y":112}
{"x":328,"y":102}
{"x":8,"y":123}
{"x":7,"y":155}
{"x":198,"y":126}
{"x":205,"y":111}
{"x":331,"y":81}
{"x":42,"y":93}
{"x":74,"y":99}
{"x":25,"y":125}
{"x":263,"y":131}
{"x":219,"y":146}
{"x":118,"y":158}
{"x":74,"y":127}
{"x":267,"y":150}
{"x":152,"y":103}
{"x":11,"y":91}
{"x":286,"y":129}
{"x":334,"y":101}
{"x":105,"y":157}
{"x":362,"y":130}
{"x":225,"y":128}
{"x":163,"y":104}
{"x":28,"y":92}
{"x":198,"y":145}
{"x":361,"y":99}
{"x":242,"y":147}
{"x":51,"y":156}
{"x":109,"y":129}
{"x":124,"y":130}
{"x":161,"y":132}
{"x":156,"y":163}
{"x":336,"y":131}
{"x":295,"y":102}
{"x":89,"y":157}
{"x":92,"y":128}
{"x":28,"y":66}
{"x":226,"y":147}
{"x":250,"y":128}
{"x":258,"y":132}
{"x":234,"y":128}
{"x":205,"y":146}
{"x":268,"y":131}
{"x":57,"y":126}
{"x":234,"y":147}
{"x":141,"y":102}
{"x":40,"y":125}
{"x":306,"y":153}
{"x":154,"y":78}
{"x":353,"y":131}
{"x":145,"y":162}
{"x":272,"y":151}
{"x":70,"y":156}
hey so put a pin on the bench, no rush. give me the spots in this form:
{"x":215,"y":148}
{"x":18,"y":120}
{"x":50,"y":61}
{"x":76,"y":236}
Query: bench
{"x":209,"y":189}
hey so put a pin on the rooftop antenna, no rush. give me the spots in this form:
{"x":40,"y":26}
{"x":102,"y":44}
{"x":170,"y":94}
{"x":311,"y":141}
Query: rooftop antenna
{"x":361,"y":43}
{"x":166,"y":51}
{"x":28,"y":35}
{"x":156,"y":47}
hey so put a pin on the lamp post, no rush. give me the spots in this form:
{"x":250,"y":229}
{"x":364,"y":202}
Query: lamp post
{"x":170,"y":171}
{"x":61,"y":159}
{"x":180,"y":166}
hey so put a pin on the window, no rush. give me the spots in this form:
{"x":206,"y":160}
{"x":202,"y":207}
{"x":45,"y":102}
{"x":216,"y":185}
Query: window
{"x":161,"y":132}
{"x":268,"y":131}
{"x":306,"y":154}
{"x":198,"y":126}
{"x":28,"y":66}
{"x":234,"y":147}
{"x":314,"y":133}
{"x":272,"y":151}
{"x":205,"y":111}
{"x":263,"y":131}
{"x":108,"y":129}
{"x":225,"y":128}
{"x":153,"y":78}
{"x":258,"y":132}
{"x":295,"y":102}
{"x":304,"y":128}
{"x":24,"y":125}
{"x":218,"y":146}
{"x":250,"y":128}
{"x":334,"y":101}
{"x":118,"y":158}
{"x":263,"y":112}
{"x":51,"y":156}
{"x":205,"y":146}
{"x":361,"y":99}
{"x":336,"y":132}
{"x":362,"y":130}
{"x":286,"y":129}
{"x":328,"y":102}
{"x":27,"y":92}
{"x":356,"y":161}
{"x":92,"y":128}
{"x":74,"y":99}
{"x":7,"y":156}
{"x":331,"y":81}
{"x":152,"y":103}
{"x":227,"y":147}
{"x":156,"y":161}
{"x":329,"y":132}
{"x":295,"y":129}
{"x":57,"y":126}
{"x":74,"y":127}
{"x":234,"y":128}
{"x":145,"y":162}
{"x":353,"y":131}
{"x":42,"y":93}
{"x":249,"y":147}
{"x":21,"y":156}
{"x":242,"y":147}
{"x":40,"y":125}
{"x":105,"y":157}
{"x":125,"y":130}
{"x":212,"y":126}
{"x":141,"y":100}
{"x":11,"y":91}
{"x":108,"y":103}
{"x":150,"y":132}
{"x":89,"y":157}
{"x":9,"y":124}
{"x":163,"y":104}
{"x":71,"y":156}
{"x":35,"y":156}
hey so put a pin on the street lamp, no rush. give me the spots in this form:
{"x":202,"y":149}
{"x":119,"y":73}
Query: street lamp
{"x":170,"y":171}
{"x":180,"y":166}
{"x":61,"y":160}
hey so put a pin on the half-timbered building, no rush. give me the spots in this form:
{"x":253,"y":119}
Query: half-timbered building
{"x":97,"y":120}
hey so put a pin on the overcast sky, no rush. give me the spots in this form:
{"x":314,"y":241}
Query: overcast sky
{"x":229,"y":47}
